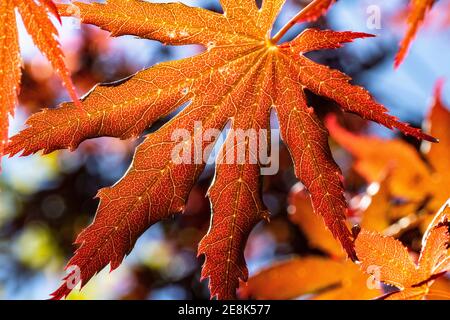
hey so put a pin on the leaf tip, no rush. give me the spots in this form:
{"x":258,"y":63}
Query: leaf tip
{"x":366,"y":35}
{"x":430,"y":138}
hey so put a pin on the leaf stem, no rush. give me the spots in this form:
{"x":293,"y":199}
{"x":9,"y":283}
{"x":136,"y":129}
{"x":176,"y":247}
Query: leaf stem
{"x":292,"y":22}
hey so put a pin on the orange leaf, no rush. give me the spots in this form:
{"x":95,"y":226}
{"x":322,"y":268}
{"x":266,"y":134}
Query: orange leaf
{"x":35,"y":18}
{"x":302,"y":214}
{"x":240,"y":77}
{"x":318,"y":277}
{"x":376,"y":216}
{"x":10,"y":67}
{"x":416,"y":293}
{"x":389,"y":255}
{"x":435,"y":253}
{"x":235,"y":195}
{"x":418,"y":11}
{"x":322,"y":278}
{"x":389,"y":260}
{"x":409,"y":176}
{"x":439,"y":290}
{"x":383,"y":214}
{"x":438,"y":155}
{"x":355,"y":285}
{"x":435,"y":256}
{"x":51,"y":7}
{"x":293,"y":278}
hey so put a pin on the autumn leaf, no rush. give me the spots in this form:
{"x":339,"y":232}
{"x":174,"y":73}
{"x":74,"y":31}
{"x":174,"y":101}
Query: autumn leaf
{"x":377,"y":216}
{"x":379,"y":211}
{"x":240,"y":77}
{"x":324,"y":278}
{"x":320,"y":277}
{"x":440,"y":289}
{"x":410,"y":177}
{"x":35,"y":16}
{"x":417,"y":13}
{"x":394,"y":264}
{"x":302,"y":214}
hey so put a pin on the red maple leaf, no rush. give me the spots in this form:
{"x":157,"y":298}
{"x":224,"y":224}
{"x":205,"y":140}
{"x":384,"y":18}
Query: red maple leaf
{"x":241,"y":76}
